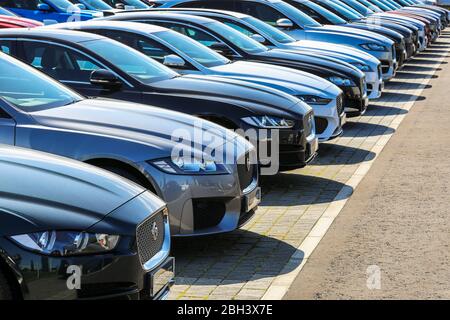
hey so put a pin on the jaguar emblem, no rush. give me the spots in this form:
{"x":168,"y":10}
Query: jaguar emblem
{"x":155,"y":231}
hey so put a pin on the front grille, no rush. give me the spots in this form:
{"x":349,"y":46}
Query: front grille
{"x":339,"y":107}
{"x":309,"y":124}
{"x":380,"y":72}
{"x":385,"y":66}
{"x":146,"y":233}
{"x":246,"y":172}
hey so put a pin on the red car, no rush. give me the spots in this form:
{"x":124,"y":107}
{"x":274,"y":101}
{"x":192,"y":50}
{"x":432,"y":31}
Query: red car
{"x":10,"y":20}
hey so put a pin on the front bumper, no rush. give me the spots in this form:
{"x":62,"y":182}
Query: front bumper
{"x":375,"y":84}
{"x":328,"y":119}
{"x":355,"y":100}
{"x":205,"y":204}
{"x":109,"y":276}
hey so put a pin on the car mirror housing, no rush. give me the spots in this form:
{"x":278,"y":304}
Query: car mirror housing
{"x":284,"y":23}
{"x":120,"y":6}
{"x":258,"y":37}
{"x":172,"y":60}
{"x":105,"y":78}
{"x":43,"y":7}
{"x":80,"y":6}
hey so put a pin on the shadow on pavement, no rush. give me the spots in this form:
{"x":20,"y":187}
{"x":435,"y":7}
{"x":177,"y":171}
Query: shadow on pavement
{"x":403,"y":85}
{"x":400,"y":97}
{"x":418,"y":68}
{"x":236,"y":257}
{"x":412,"y":75}
{"x":364,"y":129}
{"x":381,"y":111}
{"x":426,"y":61}
{"x":330,"y":153}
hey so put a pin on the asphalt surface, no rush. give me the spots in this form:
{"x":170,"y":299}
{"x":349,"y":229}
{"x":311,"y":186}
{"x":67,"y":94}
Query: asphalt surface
{"x":391,"y":241}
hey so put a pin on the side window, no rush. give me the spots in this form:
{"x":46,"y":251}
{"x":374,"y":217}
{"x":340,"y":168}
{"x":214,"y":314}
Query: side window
{"x":6,"y":46}
{"x":147,"y":46}
{"x":60,"y":62}
{"x":261,"y":11}
{"x":216,"y":4}
{"x":193,"y":33}
{"x":242,"y":29}
{"x":310,"y":12}
{"x":20,"y":4}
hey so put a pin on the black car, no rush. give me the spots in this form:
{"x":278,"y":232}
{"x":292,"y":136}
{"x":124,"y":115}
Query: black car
{"x":236,"y":46}
{"x":72,"y":231}
{"x":100,"y":67}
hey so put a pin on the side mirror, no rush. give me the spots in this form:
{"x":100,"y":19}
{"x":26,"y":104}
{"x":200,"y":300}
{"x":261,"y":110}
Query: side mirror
{"x":43,"y":7}
{"x":284,"y":23}
{"x":105,"y":78}
{"x":172,"y":60}
{"x":221,"y":48}
{"x":120,"y":6}
{"x":258,"y":37}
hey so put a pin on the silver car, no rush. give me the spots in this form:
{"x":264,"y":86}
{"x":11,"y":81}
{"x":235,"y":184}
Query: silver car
{"x":203,"y":196}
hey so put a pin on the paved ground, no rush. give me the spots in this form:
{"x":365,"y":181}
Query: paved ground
{"x":263,"y":259}
{"x":397,"y":221}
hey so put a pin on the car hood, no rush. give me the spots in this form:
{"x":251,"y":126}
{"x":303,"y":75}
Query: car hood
{"x":345,"y":53}
{"x":327,"y":66}
{"x":365,"y":35}
{"x":39,"y":192}
{"x":288,"y":80}
{"x":141,"y":125}
{"x":227,"y":90}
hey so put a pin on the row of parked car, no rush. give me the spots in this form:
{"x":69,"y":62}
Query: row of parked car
{"x":106,"y":93}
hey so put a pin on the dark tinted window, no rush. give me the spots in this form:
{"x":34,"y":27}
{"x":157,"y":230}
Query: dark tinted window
{"x":20,"y":4}
{"x":147,"y":46}
{"x":60,"y":62}
{"x":223,"y":5}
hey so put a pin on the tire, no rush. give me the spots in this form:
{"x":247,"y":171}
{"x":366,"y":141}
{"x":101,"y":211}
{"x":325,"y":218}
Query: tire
{"x":5,"y":288}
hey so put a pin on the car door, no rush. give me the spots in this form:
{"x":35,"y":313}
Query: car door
{"x":270,"y":15}
{"x":73,"y":68}
{"x":150,"y":47}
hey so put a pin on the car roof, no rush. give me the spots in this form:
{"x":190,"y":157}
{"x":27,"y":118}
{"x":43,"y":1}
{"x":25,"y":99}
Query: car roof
{"x":142,"y":14}
{"x":234,"y":14}
{"x":49,"y":33}
{"x":113,"y":25}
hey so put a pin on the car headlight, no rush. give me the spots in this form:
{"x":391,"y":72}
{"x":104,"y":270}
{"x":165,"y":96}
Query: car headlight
{"x":373,"y":47}
{"x":314,"y":100}
{"x":67,"y":243}
{"x":339,"y":81}
{"x":191,"y":167}
{"x":269,"y":122}
{"x":362,"y":67}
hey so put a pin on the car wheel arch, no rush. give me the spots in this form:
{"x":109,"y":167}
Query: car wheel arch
{"x":125,"y":170}
{"x":11,"y":278}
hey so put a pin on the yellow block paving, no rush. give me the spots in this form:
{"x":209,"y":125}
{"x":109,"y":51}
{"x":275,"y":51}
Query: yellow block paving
{"x":245,"y":263}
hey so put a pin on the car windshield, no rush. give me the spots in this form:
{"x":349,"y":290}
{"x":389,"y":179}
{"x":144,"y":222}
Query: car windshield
{"x":267,"y":29}
{"x":94,"y":4}
{"x":132,"y":62}
{"x":380,"y":5}
{"x":6,"y":12}
{"x":236,"y":38}
{"x":29,"y":90}
{"x":63,"y":5}
{"x":296,"y":14}
{"x":196,"y":51}
{"x":365,"y":11}
{"x":371,"y":6}
{"x":330,"y":16}
{"x":344,"y":10}
{"x":136,"y":4}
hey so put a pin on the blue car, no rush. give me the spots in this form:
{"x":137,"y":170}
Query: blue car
{"x":50,"y":11}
